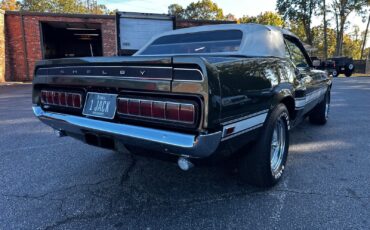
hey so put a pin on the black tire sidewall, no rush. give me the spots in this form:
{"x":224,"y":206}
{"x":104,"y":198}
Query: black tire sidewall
{"x":255,"y":166}
{"x":317,"y":115}
{"x":335,"y":73}
{"x":284,"y":116}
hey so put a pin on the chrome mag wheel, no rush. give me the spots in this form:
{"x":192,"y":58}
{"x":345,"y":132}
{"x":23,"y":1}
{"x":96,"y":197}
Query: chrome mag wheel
{"x":278,"y":146}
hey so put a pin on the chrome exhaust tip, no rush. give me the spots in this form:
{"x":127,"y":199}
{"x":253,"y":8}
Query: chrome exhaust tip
{"x":184,"y":164}
{"x":59,"y":133}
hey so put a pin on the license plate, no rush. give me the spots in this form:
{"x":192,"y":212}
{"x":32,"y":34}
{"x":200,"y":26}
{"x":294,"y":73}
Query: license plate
{"x":341,"y":68}
{"x":100,"y":105}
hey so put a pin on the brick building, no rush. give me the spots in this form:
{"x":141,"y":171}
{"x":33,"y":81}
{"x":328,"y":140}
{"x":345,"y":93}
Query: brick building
{"x":2,"y":47}
{"x":33,"y":36}
{"x":26,"y":37}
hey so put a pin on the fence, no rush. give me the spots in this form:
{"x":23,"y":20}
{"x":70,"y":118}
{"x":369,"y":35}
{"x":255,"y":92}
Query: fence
{"x":362,"y":66}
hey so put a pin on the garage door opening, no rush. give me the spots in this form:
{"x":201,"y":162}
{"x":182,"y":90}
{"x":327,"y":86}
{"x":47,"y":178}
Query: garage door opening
{"x":61,"y":40}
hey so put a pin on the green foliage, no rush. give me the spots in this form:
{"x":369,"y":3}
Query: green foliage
{"x":298,"y":30}
{"x":299,"y":11}
{"x":266,"y":18}
{"x":352,"y":46}
{"x":201,"y":10}
{"x":10,"y":5}
{"x":341,"y":10}
{"x":318,"y":41}
{"x":176,"y":10}
{"x":205,"y":10}
{"x":230,"y":17}
{"x":64,"y":6}
{"x":351,"y":42}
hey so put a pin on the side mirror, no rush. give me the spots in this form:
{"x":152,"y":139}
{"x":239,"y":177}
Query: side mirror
{"x":316,"y":63}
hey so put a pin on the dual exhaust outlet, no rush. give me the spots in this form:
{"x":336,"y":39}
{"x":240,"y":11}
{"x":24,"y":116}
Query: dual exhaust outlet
{"x":184,"y":163}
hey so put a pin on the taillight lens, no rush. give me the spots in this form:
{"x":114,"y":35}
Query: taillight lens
{"x":49,"y":98}
{"x":122,"y":106}
{"x":172,"y":111}
{"x":77,"y":100}
{"x":63,"y":99}
{"x":162,"y":110}
{"x":44,"y":97}
{"x":134,"y":107}
{"x":186,"y":113}
{"x":146,"y":108}
{"x":159,"y":109}
{"x":69,"y":100}
{"x":56,"y":98}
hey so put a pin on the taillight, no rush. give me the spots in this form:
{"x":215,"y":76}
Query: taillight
{"x":63,"y":99}
{"x":172,"y":111}
{"x":162,"y":110}
{"x":186,"y":113}
{"x":159,"y":109}
{"x":134,"y":107}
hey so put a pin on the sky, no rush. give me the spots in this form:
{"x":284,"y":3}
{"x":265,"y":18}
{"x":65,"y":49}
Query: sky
{"x":235,"y":7}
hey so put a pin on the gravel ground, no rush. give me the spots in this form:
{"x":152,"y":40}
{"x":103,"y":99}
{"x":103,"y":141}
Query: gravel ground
{"x":48,"y":182}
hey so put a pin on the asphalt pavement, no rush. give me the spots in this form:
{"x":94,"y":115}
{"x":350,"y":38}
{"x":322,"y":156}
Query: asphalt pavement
{"x":60,"y":183}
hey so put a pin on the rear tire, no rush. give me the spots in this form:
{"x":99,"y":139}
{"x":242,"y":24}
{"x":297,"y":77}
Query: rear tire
{"x":348,"y":73}
{"x":320,"y":114}
{"x":264,"y":165}
{"x":335,"y":73}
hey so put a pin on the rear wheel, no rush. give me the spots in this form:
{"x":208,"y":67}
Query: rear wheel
{"x":350,"y":67}
{"x":320,"y":114}
{"x":263,"y":166}
{"x":335,"y":73}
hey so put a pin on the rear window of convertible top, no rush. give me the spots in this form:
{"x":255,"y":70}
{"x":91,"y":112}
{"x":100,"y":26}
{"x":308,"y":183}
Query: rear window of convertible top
{"x":217,"y":41}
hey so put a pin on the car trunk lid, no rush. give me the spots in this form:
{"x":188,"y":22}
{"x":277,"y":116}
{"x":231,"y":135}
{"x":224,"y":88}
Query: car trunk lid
{"x":131,"y":73}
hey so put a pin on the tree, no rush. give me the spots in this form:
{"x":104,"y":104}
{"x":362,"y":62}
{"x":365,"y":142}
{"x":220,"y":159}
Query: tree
{"x":300,"y":11}
{"x":351,"y":42}
{"x":204,"y":10}
{"x":298,"y":30}
{"x":10,"y":5}
{"x":37,"y":5}
{"x":365,"y":38}
{"x":351,"y":47}
{"x":65,"y":6}
{"x":266,"y":18}
{"x":176,"y":10}
{"x":230,"y":17}
{"x":248,"y":19}
{"x":201,"y":10}
{"x":341,"y":10}
{"x":324,"y":12}
{"x":319,"y":43}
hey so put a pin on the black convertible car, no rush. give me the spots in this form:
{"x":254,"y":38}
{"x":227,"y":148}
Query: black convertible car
{"x":200,"y":93}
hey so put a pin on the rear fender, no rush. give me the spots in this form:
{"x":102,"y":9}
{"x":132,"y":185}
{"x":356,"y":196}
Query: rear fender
{"x":284,"y":94}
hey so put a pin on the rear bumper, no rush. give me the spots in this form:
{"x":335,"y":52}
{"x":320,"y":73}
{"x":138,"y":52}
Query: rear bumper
{"x":195,"y":146}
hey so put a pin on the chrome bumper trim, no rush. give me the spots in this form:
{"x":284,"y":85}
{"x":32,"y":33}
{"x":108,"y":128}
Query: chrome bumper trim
{"x":196,"y":146}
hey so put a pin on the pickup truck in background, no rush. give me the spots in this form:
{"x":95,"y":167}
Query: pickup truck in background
{"x":201,"y":93}
{"x":343,"y":65}
{"x":336,"y":65}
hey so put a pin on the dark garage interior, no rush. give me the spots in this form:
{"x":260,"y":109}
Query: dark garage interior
{"x":61,"y":40}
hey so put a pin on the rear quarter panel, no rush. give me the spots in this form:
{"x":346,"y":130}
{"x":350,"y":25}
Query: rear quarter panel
{"x":249,"y":85}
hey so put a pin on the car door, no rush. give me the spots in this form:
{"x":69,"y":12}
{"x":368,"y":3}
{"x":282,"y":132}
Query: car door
{"x":308,"y":80}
